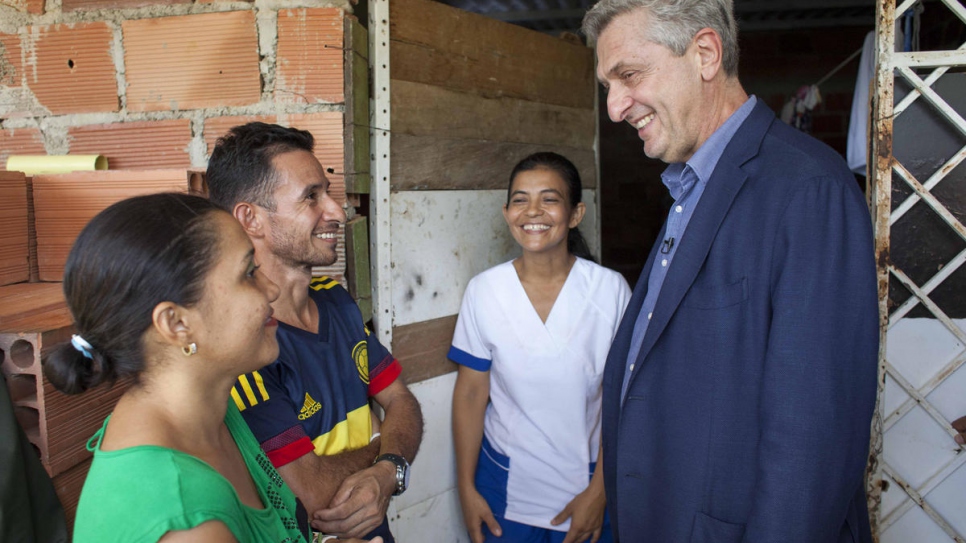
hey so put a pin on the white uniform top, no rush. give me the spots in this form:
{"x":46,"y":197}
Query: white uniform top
{"x":545,"y":379}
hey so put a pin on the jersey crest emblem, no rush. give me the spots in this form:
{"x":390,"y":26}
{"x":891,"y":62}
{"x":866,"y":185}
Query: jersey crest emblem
{"x":360,"y":355}
{"x":309,"y":408}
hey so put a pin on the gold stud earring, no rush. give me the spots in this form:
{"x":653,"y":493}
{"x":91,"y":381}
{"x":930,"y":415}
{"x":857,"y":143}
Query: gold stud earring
{"x":190,"y":349}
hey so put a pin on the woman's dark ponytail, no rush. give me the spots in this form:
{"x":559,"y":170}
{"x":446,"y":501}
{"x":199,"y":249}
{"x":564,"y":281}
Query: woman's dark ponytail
{"x":132,"y":256}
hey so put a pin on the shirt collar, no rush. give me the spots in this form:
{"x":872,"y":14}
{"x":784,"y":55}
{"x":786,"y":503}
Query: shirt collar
{"x":705,"y":159}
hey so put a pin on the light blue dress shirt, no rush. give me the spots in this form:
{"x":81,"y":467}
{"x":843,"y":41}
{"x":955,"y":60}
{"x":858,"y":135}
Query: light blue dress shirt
{"x":686,"y":182}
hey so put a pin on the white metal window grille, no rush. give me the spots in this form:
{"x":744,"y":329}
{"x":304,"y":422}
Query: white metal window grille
{"x":917,"y":482}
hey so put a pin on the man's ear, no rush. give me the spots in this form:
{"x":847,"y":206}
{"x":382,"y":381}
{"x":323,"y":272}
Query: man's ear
{"x":709,"y":52}
{"x":247,"y":215}
{"x":172,"y":323}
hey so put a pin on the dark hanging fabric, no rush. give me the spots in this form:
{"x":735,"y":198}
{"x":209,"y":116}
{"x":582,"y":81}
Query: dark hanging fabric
{"x":29,"y":509}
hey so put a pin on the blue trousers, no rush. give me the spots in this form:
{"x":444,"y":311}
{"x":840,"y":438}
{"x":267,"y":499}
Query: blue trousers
{"x":492,"y":469}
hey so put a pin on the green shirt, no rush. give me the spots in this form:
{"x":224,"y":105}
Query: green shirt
{"x":140,"y":493}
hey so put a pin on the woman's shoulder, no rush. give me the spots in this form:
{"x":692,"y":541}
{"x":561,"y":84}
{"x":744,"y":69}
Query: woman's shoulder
{"x":497,"y":274}
{"x":596,"y":274}
{"x":157,"y":486}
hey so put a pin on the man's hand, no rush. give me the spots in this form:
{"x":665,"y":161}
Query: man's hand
{"x":475,"y":512}
{"x":960,"y":426}
{"x":586,"y":514}
{"x":360,"y":503}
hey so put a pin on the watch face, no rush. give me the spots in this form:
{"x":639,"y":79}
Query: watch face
{"x":405,"y":481}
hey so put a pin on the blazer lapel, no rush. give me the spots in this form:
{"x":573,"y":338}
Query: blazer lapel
{"x":617,"y":356}
{"x":722,"y":188}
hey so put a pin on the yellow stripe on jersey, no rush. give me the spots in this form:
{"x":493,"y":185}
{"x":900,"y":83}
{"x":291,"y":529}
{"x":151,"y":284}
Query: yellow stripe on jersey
{"x":247,"y":388}
{"x":350,"y":434}
{"x":323,"y":282}
{"x":261,"y":385}
{"x":237,"y":397}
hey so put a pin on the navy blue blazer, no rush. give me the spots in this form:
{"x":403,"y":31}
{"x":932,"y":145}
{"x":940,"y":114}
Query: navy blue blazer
{"x":747,"y":415}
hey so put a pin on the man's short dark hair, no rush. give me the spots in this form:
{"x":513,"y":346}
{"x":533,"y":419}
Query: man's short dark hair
{"x":240,"y":168}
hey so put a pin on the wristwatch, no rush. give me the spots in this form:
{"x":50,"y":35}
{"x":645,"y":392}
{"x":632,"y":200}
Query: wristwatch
{"x":402,"y":470}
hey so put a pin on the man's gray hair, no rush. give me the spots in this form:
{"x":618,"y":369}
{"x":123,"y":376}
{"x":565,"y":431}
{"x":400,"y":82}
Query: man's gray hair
{"x":673,"y":23}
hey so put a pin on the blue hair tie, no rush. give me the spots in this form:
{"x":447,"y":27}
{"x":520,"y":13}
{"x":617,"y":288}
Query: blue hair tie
{"x":82,"y":346}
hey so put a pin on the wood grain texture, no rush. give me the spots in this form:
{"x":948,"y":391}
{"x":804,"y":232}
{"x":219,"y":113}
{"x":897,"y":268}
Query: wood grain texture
{"x":434,"y":163}
{"x":429,"y":110}
{"x":441,"y":45}
{"x":421,"y":348}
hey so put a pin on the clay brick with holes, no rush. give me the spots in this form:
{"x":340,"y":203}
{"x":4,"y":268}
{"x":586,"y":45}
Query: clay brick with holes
{"x":14,"y":230}
{"x":191,"y":61}
{"x":57,"y":424}
{"x":72,"y":70}
{"x":309,"y":56}
{"x":64,"y":203}
{"x":135,"y":146}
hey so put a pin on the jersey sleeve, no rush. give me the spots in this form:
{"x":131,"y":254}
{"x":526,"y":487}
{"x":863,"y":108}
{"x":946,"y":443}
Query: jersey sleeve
{"x":468,"y":348}
{"x":262,"y":400}
{"x":383,"y":368}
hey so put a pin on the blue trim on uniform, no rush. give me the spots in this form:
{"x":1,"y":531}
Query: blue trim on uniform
{"x":464,"y":358}
{"x":492,"y":473}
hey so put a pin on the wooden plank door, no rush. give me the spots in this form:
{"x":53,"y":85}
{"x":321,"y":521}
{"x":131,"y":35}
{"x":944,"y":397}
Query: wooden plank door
{"x":459,"y":99}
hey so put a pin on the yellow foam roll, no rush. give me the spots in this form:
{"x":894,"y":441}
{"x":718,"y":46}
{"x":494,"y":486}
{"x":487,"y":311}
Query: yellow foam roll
{"x":36,"y":164}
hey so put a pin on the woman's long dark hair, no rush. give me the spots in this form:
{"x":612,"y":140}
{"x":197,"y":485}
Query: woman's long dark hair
{"x":576,"y":244}
{"x":132,"y":256}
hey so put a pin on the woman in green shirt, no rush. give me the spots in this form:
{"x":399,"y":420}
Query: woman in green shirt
{"x":164,"y":289}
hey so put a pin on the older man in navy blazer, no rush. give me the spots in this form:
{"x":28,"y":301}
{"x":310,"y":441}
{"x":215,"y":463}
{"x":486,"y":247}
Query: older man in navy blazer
{"x":739,"y":390}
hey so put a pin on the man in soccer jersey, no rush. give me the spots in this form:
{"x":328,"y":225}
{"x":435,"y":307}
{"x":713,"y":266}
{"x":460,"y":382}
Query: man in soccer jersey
{"x":310,"y":408}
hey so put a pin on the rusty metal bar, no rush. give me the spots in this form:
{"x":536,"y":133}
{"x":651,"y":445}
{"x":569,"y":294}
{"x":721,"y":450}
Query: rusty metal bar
{"x":890,"y":65}
{"x":881,"y":199}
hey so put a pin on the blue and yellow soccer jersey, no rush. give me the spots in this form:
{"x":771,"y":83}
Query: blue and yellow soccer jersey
{"x":315,"y":397}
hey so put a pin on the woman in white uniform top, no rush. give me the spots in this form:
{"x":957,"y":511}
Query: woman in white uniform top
{"x":531,"y":342}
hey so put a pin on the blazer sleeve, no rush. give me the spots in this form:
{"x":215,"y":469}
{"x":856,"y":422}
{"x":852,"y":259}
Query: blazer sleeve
{"x":819,"y":384}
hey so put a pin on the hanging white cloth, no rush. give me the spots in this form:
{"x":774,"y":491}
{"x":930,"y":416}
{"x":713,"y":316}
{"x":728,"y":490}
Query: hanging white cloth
{"x":857,"y":146}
